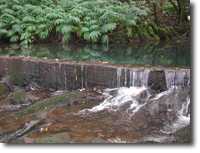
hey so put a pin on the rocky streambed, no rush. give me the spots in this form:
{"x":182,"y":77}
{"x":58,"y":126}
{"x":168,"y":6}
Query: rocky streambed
{"x":33,"y":115}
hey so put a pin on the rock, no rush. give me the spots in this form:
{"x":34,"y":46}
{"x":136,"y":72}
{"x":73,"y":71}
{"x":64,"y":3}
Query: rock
{"x":8,"y":82}
{"x":57,"y":138}
{"x":27,"y":139}
{"x":157,"y":81}
{"x":4,"y":90}
{"x":99,"y":140}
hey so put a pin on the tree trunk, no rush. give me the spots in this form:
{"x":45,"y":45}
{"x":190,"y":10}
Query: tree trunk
{"x":155,"y":7}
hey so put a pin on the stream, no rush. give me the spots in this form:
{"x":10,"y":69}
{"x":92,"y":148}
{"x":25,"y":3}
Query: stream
{"x":131,"y":111}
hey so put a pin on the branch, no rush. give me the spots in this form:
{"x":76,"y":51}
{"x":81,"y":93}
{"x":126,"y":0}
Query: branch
{"x":174,"y":5}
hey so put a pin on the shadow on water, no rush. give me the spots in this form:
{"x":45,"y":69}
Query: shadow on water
{"x":152,"y":53}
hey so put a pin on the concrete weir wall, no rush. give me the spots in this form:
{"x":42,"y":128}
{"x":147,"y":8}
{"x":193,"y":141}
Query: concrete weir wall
{"x":55,"y":75}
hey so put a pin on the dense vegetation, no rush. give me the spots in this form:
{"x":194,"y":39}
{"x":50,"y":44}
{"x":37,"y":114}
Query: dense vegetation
{"x":31,"y":21}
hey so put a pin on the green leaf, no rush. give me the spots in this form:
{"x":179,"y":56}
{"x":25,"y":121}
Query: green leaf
{"x":59,"y":21}
{"x":16,"y":28}
{"x":66,"y":29}
{"x":43,"y":35}
{"x":8,"y":11}
{"x":131,"y":22}
{"x":38,"y":10}
{"x":51,"y":16}
{"x":17,"y":7}
{"x":84,"y":29}
{"x":129,"y":32}
{"x":93,"y":27}
{"x":31,"y":29}
{"x":28,"y":19}
{"x":105,"y":39}
{"x":108,"y":27}
{"x":87,"y":18}
{"x":3,"y":31}
{"x":66,"y":37}
{"x":94,"y":36}
{"x":14,"y":38}
{"x":73,"y":19}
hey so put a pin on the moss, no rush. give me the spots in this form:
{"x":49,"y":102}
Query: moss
{"x":63,"y":99}
{"x":171,"y":32}
{"x":18,"y":98}
{"x":183,"y":135}
{"x":156,"y":37}
{"x":162,"y":33}
{"x":150,"y":30}
{"x":3,"y":90}
{"x":16,"y":78}
{"x":154,"y":27}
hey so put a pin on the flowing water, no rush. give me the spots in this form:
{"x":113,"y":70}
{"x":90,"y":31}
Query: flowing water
{"x":132,"y":112}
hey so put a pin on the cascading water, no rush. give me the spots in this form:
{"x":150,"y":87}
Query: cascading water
{"x":170,"y":109}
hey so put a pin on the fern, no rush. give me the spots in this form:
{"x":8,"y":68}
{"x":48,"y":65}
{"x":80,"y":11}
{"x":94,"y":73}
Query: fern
{"x":105,"y":39}
{"x":17,"y":7}
{"x":31,"y":29}
{"x":94,"y":36}
{"x":16,"y":28}
{"x":93,"y":27}
{"x":108,"y":27}
{"x":8,"y":11}
{"x":59,"y":21}
{"x":84,"y":30}
{"x":66,"y":29}
{"x":51,"y":16}
{"x":43,"y":35}
{"x":130,"y":22}
{"x":66,"y":37}
{"x":129,"y":32}
{"x":3,"y":31}
{"x":73,"y":19}
{"x":38,"y":10}
{"x":14,"y":39}
{"x":28,"y":19}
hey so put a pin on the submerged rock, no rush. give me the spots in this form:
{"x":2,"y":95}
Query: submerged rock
{"x":63,"y":137}
{"x":4,"y":90}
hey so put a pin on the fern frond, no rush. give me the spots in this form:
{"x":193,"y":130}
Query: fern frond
{"x":129,"y":32}
{"x":93,"y":27}
{"x":10,"y":33}
{"x":29,"y":7}
{"x":7,"y":15}
{"x":17,"y":7}
{"x":59,"y":21}
{"x":51,"y":16}
{"x":2,"y":25}
{"x":87,"y":18}
{"x":28,"y":19}
{"x":43,"y":35}
{"x":16,"y":28}
{"x":8,"y":11}
{"x":25,"y":36}
{"x":16,"y":21}
{"x":130,"y":22}
{"x":38,"y":10}
{"x":105,"y":39}
{"x":14,"y":38}
{"x":42,"y":26}
{"x":66,"y":29}
{"x":92,"y":22}
{"x":84,"y":30}
{"x":66,"y":37}
{"x":73,"y":19}
{"x":94,"y":36}
{"x":108,"y":27}
{"x":3,"y":31}
{"x":31,"y":29}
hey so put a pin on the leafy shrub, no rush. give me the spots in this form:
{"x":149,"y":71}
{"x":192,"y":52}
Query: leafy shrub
{"x":34,"y":21}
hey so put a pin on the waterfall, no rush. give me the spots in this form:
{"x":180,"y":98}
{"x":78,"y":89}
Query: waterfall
{"x":177,"y":77}
{"x":139,"y":77}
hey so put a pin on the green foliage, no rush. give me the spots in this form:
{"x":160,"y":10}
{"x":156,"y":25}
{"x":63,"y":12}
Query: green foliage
{"x":33,"y":21}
